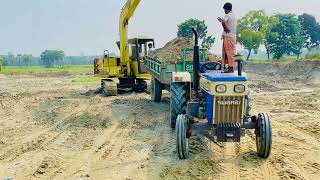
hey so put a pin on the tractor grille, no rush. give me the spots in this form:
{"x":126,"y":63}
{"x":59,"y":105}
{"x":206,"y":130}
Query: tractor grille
{"x":228,"y":109}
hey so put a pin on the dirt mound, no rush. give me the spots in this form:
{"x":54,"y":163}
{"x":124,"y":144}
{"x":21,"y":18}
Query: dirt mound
{"x":172,"y":51}
{"x":308,"y":71}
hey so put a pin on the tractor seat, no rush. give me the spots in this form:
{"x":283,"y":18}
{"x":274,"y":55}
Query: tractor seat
{"x":224,"y":77}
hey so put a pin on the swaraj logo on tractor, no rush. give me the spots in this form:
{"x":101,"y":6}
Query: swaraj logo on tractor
{"x":234,"y":102}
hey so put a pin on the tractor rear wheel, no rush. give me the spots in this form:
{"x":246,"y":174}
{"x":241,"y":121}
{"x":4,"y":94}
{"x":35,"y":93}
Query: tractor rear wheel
{"x":178,"y":101}
{"x":263,"y":135}
{"x":156,"y":90}
{"x":182,"y":143}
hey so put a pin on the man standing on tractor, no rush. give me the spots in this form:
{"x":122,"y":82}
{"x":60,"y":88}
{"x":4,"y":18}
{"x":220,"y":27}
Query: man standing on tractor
{"x":229,"y":37}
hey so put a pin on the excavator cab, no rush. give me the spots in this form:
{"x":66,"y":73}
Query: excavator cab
{"x":139,"y":47}
{"x":138,"y":50}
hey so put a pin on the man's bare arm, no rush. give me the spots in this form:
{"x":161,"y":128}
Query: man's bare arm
{"x":224,"y":25}
{"x":226,"y":29}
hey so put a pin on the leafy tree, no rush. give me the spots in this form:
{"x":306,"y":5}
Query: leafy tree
{"x":52,"y":57}
{"x":310,"y":31}
{"x":251,"y":30}
{"x":285,"y":36}
{"x":184,"y":30}
{"x":10,"y":58}
{"x":1,"y":63}
{"x":208,"y":41}
{"x":27,"y":59}
{"x":18,"y":59}
{"x":272,"y":21}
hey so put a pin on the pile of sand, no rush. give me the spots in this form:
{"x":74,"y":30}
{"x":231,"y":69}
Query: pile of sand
{"x":307,"y":71}
{"x":172,"y":51}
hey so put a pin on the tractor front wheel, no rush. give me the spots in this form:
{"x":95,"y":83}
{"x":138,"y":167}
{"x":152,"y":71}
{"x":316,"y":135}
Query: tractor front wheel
{"x":178,"y":101}
{"x":263,"y":135}
{"x":182,"y":140}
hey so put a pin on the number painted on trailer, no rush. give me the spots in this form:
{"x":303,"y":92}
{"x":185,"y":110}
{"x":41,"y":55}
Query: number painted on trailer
{"x":189,"y":67}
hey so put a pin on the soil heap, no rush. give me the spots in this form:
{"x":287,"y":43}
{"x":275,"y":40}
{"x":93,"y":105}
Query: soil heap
{"x":172,"y":51}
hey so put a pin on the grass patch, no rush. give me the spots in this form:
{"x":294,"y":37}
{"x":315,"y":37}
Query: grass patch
{"x":87,"y":79}
{"x":313,"y":56}
{"x":80,"y":74}
{"x":34,"y":69}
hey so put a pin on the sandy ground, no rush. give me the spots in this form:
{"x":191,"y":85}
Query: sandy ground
{"x":50,"y":128}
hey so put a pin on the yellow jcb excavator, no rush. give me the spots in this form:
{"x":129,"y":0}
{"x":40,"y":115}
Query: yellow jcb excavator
{"x":126,"y":73}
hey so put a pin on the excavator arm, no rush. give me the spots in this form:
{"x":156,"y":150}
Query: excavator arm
{"x":126,"y":14}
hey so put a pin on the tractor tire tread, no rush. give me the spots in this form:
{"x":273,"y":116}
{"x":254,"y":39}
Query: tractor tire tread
{"x":265,"y":130}
{"x":182,"y":148}
{"x":178,"y":101}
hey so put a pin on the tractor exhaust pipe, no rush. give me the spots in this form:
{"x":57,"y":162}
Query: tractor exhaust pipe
{"x":239,"y":60}
{"x":196,"y":61}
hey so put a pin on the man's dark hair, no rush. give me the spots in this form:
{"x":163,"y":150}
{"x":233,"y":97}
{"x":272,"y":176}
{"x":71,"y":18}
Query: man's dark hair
{"x":227,"y":6}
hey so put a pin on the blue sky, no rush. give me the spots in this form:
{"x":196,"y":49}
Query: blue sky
{"x":90,"y":26}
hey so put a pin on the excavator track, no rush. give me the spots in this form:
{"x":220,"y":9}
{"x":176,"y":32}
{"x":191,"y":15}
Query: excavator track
{"x":109,"y":87}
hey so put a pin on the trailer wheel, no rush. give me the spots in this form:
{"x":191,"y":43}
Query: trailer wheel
{"x":178,"y":101}
{"x":156,"y":90}
{"x":182,"y":142}
{"x":263,"y":135}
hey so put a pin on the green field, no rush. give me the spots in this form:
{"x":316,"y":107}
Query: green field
{"x":85,"y":79}
{"x":37,"y":69}
{"x":79,"y":74}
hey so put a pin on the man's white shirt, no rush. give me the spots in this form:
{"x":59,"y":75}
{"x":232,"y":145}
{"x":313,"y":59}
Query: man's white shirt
{"x":231,"y":22}
{"x":150,"y":51}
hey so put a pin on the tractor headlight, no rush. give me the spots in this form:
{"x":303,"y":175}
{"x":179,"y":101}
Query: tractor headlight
{"x":221,"y":88}
{"x":240,"y":88}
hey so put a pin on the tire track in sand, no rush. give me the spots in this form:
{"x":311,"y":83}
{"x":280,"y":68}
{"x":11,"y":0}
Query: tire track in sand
{"x":38,"y":139}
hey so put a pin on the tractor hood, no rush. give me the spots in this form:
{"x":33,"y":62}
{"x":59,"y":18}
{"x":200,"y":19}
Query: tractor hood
{"x":224,"y":77}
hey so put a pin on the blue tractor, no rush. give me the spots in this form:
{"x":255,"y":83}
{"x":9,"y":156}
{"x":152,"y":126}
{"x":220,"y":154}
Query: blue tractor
{"x":218,"y":106}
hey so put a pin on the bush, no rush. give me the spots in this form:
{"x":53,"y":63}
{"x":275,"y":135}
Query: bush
{"x":313,"y":56}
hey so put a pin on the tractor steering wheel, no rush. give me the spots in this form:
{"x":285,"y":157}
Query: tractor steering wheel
{"x":210,"y":66}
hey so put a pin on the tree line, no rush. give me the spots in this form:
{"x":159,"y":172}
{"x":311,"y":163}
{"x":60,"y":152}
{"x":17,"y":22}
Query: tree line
{"x":280,"y":34}
{"x":48,"y":58}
